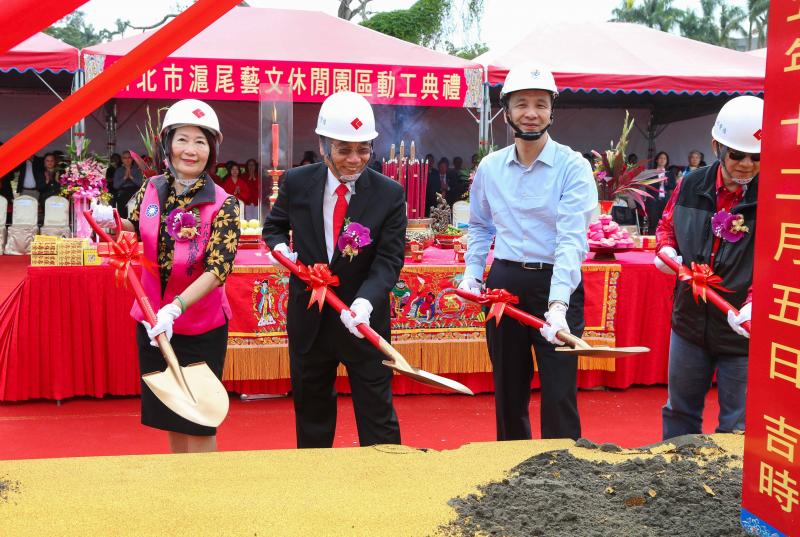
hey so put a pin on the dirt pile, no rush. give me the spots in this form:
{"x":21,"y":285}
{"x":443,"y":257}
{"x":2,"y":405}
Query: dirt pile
{"x":687,"y":487}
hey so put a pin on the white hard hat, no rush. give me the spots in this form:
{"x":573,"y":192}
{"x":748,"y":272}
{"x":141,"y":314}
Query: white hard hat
{"x":738,"y":124}
{"x":348,"y":117}
{"x":529,"y":77}
{"x":192,"y":112}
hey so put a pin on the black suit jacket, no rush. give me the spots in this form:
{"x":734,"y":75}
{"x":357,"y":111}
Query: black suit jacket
{"x":456,"y":186}
{"x":37,"y":167}
{"x":433,"y":187}
{"x":379,"y":204}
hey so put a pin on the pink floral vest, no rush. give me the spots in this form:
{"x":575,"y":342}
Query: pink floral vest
{"x":209,"y":312}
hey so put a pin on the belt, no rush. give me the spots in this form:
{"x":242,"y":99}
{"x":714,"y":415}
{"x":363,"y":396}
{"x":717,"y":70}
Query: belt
{"x":527,"y":265}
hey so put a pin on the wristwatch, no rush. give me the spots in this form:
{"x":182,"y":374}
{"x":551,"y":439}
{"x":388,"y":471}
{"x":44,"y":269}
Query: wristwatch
{"x":566,"y":306}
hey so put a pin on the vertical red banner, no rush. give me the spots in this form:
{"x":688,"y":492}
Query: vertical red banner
{"x":771,"y":482}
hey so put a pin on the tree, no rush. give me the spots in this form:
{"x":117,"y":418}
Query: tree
{"x":74,"y":30}
{"x":757,"y":11}
{"x":348,"y":13}
{"x":653,"y":13}
{"x":703,"y":27}
{"x":731,"y":19}
{"x":431,"y":23}
{"x":467,"y":52}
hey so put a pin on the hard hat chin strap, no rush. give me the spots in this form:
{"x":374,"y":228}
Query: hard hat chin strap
{"x":519,"y":133}
{"x":326,"y":155}
{"x":528,"y":136}
{"x":721,"y":158}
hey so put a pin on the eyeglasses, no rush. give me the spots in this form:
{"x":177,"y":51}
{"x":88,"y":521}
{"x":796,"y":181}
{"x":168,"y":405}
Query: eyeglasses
{"x":740,"y":155}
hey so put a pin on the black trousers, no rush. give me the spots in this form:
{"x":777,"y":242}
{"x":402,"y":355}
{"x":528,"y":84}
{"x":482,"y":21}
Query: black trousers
{"x":313,"y":378}
{"x":512,"y":365}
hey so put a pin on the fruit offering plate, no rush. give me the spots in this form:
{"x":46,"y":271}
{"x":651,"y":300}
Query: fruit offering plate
{"x":445,"y":241}
{"x":250,"y":238}
{"x":606,"y":253}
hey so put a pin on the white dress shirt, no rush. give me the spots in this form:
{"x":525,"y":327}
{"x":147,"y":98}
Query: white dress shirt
{"x":538,"y":213}
{"x":328,"y":204}
{"x":29,"y":181}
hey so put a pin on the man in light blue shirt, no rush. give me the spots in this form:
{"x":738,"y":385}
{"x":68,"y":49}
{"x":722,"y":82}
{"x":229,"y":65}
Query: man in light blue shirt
{"x":534,"y":199}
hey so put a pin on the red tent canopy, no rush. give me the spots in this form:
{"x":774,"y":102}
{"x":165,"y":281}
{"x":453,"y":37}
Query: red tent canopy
{"x":40,"y":53}
{"x":629,"y":58}
{"x":317,"y":54}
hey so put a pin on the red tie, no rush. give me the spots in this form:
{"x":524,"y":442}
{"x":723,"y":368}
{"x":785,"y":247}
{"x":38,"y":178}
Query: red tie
{"x":339,"y":210}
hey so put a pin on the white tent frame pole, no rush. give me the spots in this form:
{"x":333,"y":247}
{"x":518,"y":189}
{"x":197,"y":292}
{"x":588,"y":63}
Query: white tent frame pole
{"x":80,"y":127}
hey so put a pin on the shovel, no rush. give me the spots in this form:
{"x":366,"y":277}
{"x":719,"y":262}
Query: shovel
{"x":396,"y":360}
{"x":193,"y":392}
{"x":574,"y":345}
{"x":685,"y":273}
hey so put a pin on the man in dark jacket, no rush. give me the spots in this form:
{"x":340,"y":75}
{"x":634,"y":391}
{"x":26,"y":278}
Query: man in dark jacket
{"x":322,"y":205}
{"x":710,"y":219}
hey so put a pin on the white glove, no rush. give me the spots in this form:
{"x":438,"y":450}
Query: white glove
{"x":473,"y":285}
{"x":283,"y":249}
{"x":361,"y":309}
{"x":165,"y":318}
{"x":672,"y":254}
{"x":736,"y":321}
{"x":102,"y":214}
{"x":556,"y":317}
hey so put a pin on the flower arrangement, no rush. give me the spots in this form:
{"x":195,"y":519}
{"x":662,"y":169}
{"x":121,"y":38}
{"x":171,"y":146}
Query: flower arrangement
{"x":354,"y":236}
{"x":729,"y":227}
{"x":615,"y":177}
{"x":84,"y":177}
{"x":182,"y":224}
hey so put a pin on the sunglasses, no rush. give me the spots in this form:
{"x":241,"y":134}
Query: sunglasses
{"x":740,"y":155}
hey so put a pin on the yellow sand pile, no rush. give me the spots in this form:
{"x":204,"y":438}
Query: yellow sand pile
{"x":382,"y":490}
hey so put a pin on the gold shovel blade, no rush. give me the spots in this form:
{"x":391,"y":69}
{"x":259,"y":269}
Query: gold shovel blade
{"x":206,"y":404}
{"x":603,"y":351}
{"x":420,"y":375}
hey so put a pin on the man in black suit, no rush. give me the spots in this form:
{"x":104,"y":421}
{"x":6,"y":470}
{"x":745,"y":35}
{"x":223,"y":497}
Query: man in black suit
{"x":30,"y":178}
{"x":318,"y":203}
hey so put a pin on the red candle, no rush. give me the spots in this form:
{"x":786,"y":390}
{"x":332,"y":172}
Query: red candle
{"x":421,"y":194}
{"x":275,"y":142}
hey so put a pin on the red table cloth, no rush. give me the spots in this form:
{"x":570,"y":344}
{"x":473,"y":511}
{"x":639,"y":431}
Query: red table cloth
{"x":65,"y":332}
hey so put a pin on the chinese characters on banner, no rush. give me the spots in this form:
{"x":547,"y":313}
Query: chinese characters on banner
{"x":771,"y":488}
{"x":180,"y":78}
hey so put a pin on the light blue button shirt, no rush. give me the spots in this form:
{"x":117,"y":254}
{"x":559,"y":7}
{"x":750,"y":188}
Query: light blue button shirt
{"x":538,"y":213}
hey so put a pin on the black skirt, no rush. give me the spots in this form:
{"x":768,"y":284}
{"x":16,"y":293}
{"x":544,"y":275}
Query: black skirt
{"x":209,"y":347}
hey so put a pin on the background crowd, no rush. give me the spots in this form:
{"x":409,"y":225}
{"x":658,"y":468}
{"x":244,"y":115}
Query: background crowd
{"x":38,"y":176}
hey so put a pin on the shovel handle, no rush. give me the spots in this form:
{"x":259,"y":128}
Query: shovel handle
{"x":138,"y":292}
{"x":711,"y":295}
{"x":526,"y":318}
{"x":336,"y":303}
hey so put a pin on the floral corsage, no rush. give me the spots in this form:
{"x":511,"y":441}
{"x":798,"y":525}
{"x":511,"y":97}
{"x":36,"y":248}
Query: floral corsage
{"x":354,"y":237}
{"x":182,"y":224}
{"x":729,"y":226}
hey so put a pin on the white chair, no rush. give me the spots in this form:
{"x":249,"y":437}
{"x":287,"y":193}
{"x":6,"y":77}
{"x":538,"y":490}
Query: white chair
{"x":24,"y":217}
{"x":461,"y":214}
{"x":56,"y":217}
{"x":131,"y":204}
{"x":3,"y":218}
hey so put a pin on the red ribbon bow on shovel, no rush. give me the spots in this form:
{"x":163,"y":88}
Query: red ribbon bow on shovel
{"x":499,"y":299}
{"x":318,"y":277}
{"x":121,"y":254}
{"x":701,"y":277}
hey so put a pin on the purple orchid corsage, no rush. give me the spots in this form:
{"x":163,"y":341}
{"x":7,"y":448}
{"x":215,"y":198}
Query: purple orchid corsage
{"x":182,"y":224}
{"x":354,"y":237}
{"x":729,"y":226}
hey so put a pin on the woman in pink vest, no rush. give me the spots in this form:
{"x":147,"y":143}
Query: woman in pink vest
{"x":190,"y":231}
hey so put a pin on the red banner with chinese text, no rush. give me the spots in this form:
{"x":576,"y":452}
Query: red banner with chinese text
{"x":239,"y":80}
{"x":771,"y":494}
